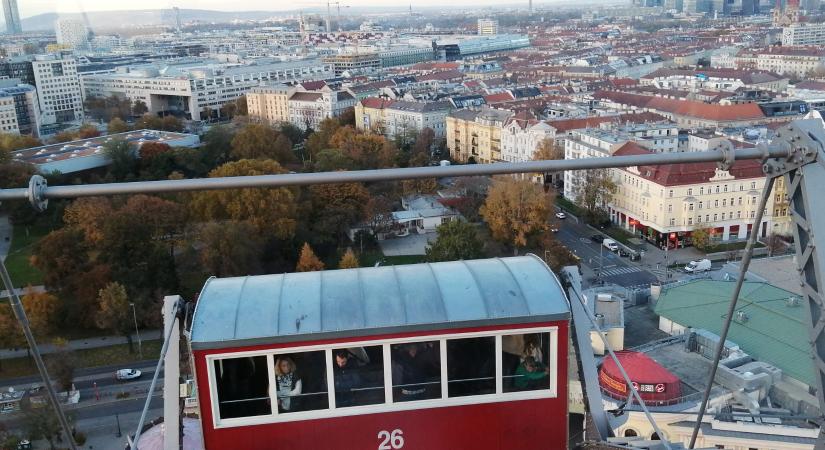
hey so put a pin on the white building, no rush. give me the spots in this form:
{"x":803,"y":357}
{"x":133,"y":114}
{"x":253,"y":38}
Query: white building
{"x":191,"y":87}
{"x":394,"y":117}
{"x":308,"y":109}
{"x":804,"y":34}
{"x":71,"y":33}
{"x":58,"y":89}
{"x":487,"y":27}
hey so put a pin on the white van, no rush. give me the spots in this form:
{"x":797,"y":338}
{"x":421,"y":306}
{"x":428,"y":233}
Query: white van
{"x":611,"y":245}
{"x":702,"y":265}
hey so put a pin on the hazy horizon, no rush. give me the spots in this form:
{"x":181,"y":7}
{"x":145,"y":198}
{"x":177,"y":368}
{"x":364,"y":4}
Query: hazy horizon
{"x":29,"y":8}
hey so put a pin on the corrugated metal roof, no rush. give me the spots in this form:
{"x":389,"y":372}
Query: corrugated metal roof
{"x":358,"y":302}
{"x":774,"y":332}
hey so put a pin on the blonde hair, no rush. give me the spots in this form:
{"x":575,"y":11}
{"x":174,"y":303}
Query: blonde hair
{"x":289,"y":361}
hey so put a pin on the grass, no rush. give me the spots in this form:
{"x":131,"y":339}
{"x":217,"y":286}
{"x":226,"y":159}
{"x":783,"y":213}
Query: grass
{"x":569,"y":206}
{"x":93,"y":357}
{"x":730,"y":246}
{"x":22,"y":245}
{"x":368,"y":259}
{"x":621,"y":235}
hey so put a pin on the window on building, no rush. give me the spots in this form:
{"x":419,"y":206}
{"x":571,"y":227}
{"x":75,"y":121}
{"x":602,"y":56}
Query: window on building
{"x":690,"y":206}
{"x":243,"y":387}
{"x":740,"y":201}
{"x":724,"y":202}
{"x":716,"y":203}
{"x":753,"y":213}
{"x":699,"y":218}
{"x":701,"y":191}
{"x":700,"y":205}
{"x":672,"y":221}
{"x":358,"y":375}
{"x":753,"y":184}
{"x":416,"y":371}
{"x":670,"y":193}
{"x":471,"y":366}
{"x":725,"y":188}
{"x":690,"y":191}
{"x":717,"y":188}
{"x":669,"y":208}
{"x":715,"y":217}
{"x":301,"y":382}
{"x":690,"y":220}
{"x":524,"y":359}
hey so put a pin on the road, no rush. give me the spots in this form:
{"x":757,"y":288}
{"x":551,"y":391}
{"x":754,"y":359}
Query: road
{"x":614,"y":269}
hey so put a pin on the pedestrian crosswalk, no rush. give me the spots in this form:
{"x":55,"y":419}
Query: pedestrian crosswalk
{"x":620,"y":271}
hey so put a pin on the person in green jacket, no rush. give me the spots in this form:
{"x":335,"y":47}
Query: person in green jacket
{"x":531,"y":374}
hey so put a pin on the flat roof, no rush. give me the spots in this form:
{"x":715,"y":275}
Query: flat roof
{"x":87,"y":147}
{"x":307,"y":306}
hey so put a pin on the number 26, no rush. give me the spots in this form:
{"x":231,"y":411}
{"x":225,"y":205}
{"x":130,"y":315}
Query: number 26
{"x":391,"y":441}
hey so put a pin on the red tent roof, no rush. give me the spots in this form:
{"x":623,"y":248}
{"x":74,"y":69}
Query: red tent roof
{"x":639,"y":367}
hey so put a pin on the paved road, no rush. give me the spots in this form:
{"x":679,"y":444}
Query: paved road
{"x":80,"y":344}
{"x":104,"y":374}
{"x":593,"y":256}
{"x":5,"y":236}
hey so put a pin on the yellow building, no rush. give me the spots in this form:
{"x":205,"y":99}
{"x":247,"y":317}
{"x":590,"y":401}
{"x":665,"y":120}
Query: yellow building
{"x":269,"y":103}
{"x":475,"y":135}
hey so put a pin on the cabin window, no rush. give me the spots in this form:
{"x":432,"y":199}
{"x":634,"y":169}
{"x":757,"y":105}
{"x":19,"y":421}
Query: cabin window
{"x":301,"y":382}
{"x":416,"y":371}
{"x":524,"y":362}
{"x":243,"y":387}
{"x":471,"y":366}
{"x":358,"y":375}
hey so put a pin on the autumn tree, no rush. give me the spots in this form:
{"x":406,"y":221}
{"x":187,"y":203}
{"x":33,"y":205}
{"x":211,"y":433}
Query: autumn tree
{"x":87,"y":131}
{"x":229,"y":248}
{"x":368,"y":151}
{"x":42,"y":423}
{"x":117,"y":125}
{"x":42,"y":310}
{"x":593,"y":191}
{"x":217,"y":143}
{"x":347,"y":117}
{"x":11,"y":335}
{"x":11,"y":142}
{"x":228,"y":109}
{"x":62,"y":364}
{"x":241,"y":107}
{"x":548,"y":149}
{"x":148,"y":121}
{"x":516,"y":210}
{"x":255,"y":141}
{"x":424,"y":142}
{"x":775,"y":244}
{"x":456,"y":240}
{"x":419,"y":185}
{"x":349,"y":260}
{"x":63,"y":136}
{"x":268,"y":210}
{"x":378,"y":214}
{"x":320,"y":138}
{"x":332,"y":159}
{"x":336,"y":208}
{"x":87,"y":214}
{"x":556,"y":254}
{"x":114,"y":313}
{"x":701,"y":238}
{"x":59,"y":256}
{"x":307,"y":261}
{"x":171,"y":123}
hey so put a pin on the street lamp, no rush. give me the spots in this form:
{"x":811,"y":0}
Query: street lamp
{"x":140,"y":344}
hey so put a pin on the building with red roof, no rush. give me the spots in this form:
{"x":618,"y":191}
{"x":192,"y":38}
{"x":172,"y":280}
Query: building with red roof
{"x":656,"y":385}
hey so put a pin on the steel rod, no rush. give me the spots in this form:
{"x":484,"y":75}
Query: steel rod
{"x":301,"y":179}
{"x":743,"y":269}
{"x":20,"y":314}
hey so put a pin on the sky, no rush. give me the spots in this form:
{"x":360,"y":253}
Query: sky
{"x":33,"y":7}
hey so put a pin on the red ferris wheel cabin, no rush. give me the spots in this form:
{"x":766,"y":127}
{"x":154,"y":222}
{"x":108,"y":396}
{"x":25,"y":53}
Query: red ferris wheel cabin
{"x":452,"y":355}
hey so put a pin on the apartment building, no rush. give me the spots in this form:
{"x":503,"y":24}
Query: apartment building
{"x":791,"y":61}
{"x":487,"y":27}
{"x":58,"y":89}
{"x":803,"y":34}
{"x":20,"y":110}
{"x":395,"y":117}
{"x":71,"y":33}
{"x":476,"y":135}
{"x":714,"y":79}
{"x":354,"y":61}
{"x":269,"y":103}
{"x":666,"y":203}
{"x":193,"y":87}
{"x":307,"y":109}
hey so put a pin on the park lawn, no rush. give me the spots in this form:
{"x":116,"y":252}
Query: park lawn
{"x":23,"y":241}
{"x":93,"y":357}
{"x":368,"y":259}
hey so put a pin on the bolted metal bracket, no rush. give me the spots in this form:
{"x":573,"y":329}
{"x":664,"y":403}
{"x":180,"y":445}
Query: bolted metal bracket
{"x":726,"y":147}
{"x":37,"y":193}
{"x":801,"y":140}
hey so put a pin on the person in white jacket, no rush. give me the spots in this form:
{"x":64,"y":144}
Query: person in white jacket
{"x":287,"y":381}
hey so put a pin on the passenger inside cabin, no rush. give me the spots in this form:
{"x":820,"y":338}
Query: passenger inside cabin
{"x":416,"y":371}
{"x":347,"y":378}
{"x":531,"y":374}
{"x":359,"y":376}
{"x":288,"y":383}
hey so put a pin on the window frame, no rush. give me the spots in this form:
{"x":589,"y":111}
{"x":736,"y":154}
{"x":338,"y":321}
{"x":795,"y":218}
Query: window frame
{"x":389,"y":404}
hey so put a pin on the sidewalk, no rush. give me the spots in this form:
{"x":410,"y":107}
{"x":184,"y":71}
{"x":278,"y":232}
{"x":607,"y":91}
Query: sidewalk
{"x":22,"y":291}
{"x":81,"y":344}
{"x":5,"y":236}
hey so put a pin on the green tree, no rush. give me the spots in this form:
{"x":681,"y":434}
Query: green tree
{"x":594,"y":191}
{"x":349,"y":260}
{"x":42,"y":423}
{"x":307,"y":261}
{"x":456,"y":240}
{"x":282,"y":150}
{"x":228,"y":110}
{"x":701,"y":238}
{"x":148,"y":122}
{"x":320,"y":139}
{"x":516,"y":210}
{"x":332,"y":159}
{"x":255,"y":141}
{"x":335,"y":208}
{"x":11,"y":142}
{"x":123,"y":160}
{"x":114,"y":313}
{"x":229,"y":248}
{"x":268,"y":210}
{"x":171,"y":123}
{"x":217,"y":143}
{"x":62,"y":364}
{"x":117,"y":125}
{"x":295,"y":135}
{"x":241,"y":107}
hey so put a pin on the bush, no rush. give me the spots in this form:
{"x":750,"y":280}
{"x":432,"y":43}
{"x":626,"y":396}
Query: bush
{"x":80,"y":438}
{"x":122,"y":395}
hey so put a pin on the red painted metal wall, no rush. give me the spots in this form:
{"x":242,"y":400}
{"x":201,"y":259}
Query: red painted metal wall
{"x":521,"y":424}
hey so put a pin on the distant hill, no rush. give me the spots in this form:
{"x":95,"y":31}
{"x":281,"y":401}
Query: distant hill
{"x":148,"y":17}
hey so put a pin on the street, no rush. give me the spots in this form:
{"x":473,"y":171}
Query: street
{"x":594,"y":256}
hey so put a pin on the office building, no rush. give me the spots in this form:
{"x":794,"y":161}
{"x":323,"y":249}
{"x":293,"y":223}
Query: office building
{"x":803,"y":34}
{"x":354,"y":61}
{"x":71,"y":33}
{"x":20,"y":111}
{"x":58,"y":89}
{"x":12,"y":15}
{"x":487,"y":27}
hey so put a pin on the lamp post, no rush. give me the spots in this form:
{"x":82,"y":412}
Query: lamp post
{"x":140,"y":344}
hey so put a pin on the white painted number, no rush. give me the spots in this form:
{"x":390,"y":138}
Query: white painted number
{"x":391,"y":441}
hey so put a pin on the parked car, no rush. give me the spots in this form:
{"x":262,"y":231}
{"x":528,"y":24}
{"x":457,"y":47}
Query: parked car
{"x":561,"y":215}
{"x":610,"y":244}
{"x":597,"y":238}
{"x":128,"y":374}
{"x":622,"y":252}
{"x":702,"y":265}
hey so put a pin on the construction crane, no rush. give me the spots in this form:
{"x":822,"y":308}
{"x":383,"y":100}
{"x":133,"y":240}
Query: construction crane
{"x":796,"y":154}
